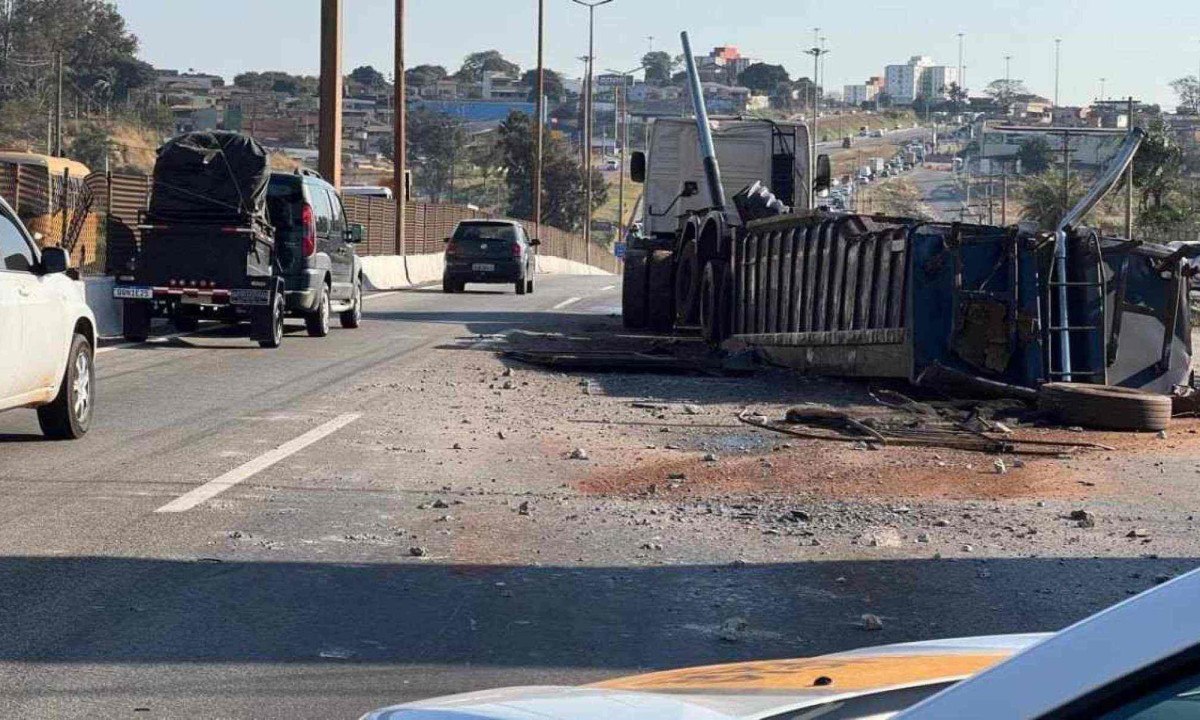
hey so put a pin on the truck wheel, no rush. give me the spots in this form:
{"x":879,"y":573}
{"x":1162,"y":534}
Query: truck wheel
{"x":725,"y":300}
{"x":317,"y":322}
{"x":633,"y":292}
{"x":268,"y":323}
{"x":69,"y":416}
{"x":135,"y":320}
{"x":1104,"y":407}
{"x":660,"y":291}
{"x":710,"y":317}
{"x":352,"y":318}
{"x":688,"y":275}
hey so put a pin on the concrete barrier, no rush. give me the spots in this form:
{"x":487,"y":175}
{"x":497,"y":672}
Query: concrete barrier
{"x":382,"y":272}
{"x":387,"y":272}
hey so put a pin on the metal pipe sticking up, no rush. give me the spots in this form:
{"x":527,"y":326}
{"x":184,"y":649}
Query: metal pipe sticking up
{"x":712,"y":170}
{"x":1104,"y":185}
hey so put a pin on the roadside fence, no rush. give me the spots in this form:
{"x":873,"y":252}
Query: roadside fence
{"x":96,"y":219}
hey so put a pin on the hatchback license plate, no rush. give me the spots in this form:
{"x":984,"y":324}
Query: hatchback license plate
{"x":133,"y":293}
{"x":483,"y":267}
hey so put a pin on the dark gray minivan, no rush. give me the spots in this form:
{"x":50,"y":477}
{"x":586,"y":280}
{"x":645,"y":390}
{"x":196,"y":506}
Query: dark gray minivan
{"x":490,"y":251}
{"x":315,"y":246}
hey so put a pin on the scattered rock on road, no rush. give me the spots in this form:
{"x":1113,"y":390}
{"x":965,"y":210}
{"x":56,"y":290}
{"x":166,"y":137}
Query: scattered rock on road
{"x":579,"y":454}
{"x":871,"y":623}
{"x":733,"y":629}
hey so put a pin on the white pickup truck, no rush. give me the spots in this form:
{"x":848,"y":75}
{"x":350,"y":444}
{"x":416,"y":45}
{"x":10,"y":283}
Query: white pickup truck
{"x":47,"y":334}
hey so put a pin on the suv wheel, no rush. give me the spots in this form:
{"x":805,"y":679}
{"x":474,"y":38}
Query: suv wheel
{"x":317,"y":322}
{"x":352,"y":318}
{"x":69,"y":416}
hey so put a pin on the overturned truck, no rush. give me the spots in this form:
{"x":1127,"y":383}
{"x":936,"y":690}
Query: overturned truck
{"x":859,"y":295}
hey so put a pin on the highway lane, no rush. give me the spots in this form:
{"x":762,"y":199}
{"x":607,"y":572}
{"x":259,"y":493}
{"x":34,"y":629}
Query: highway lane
{"x":112,"y":609}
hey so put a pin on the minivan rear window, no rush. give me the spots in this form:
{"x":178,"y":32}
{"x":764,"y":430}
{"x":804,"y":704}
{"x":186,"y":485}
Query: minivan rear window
{"x":469,"y":232}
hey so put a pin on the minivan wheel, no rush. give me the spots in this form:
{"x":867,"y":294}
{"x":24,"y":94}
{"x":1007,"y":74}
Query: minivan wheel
{"x":317,"y":322}
{"x":352,"y":318}
{"x":69,"y":416}
{"x":272,"y":324}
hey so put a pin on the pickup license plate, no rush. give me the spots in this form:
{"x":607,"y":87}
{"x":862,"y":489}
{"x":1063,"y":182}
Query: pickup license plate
{"x":483,"y":267}
{"x":133,"y":293}
{"x":250,"y":296}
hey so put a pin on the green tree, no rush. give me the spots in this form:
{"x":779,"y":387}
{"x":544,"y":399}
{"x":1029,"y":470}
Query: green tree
{"x":660,"y":66}
{"x":369,"y":78}
{"x":958,"y":96}
{"x":1004,"y":91}
{"x":425,"y":75}
{"x":91,"y":146}
{"x":1044,"y":201}
{"x":564,"y":197}
{"x":478,"y":63}
{"x":762,"y":78}
{"x":1188,"y":90}
{"x":555,"y":91}
{"x":280,"y":82}
{"x":435,"y":146}
{"x":1035,"y":155}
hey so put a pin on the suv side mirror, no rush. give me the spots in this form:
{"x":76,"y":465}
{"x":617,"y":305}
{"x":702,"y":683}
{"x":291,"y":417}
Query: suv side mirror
{"x":55,"y":260}
{"x":356,"y":233}
{"x":534,"y":242}
{"x":637,"y":167}
{"x":824,"y":178}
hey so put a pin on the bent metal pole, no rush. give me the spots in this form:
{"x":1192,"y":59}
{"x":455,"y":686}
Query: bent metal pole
{"x":712,"y":171}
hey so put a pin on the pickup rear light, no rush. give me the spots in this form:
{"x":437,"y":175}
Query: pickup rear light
{"x":309,"y":221}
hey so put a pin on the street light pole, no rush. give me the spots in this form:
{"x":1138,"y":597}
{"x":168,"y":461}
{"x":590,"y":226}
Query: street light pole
{"x":1102,"y":82}
{"x":587,"y":122}
{"x":961,"y":81}
{"x":539,"y":121}
{"x":400,"y":130}
{"x":1057,"y":67}
{"x":817,"y":51}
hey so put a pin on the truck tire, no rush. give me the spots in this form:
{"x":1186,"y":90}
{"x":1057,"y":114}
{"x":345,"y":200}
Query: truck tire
{"x":317,"y":321}
{"x":267,"y":323}
{"x":1106,"y":408}
{"x":660,"y":291}
{"x":725,"y":300}
{"x":633,"y":291}
{"x":135,"y":320}
{"x":69,"y":416}
{"x":688,"y":276}
{"x":710,"y":320}
{"x":352,"y":318}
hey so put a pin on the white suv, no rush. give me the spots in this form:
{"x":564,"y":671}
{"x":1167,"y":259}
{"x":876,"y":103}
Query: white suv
{"x":47,"y":334}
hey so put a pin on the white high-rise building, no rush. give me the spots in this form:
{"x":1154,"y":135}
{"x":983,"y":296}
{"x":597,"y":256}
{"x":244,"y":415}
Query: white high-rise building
{"x":859,"y":94}
{"x":919,"y":77}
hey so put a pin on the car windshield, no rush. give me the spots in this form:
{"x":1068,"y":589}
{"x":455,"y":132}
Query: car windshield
{"x":596,"y":359}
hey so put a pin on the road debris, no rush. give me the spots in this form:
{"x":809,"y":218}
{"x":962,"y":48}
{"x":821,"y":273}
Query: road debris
{"x":871,"y":623}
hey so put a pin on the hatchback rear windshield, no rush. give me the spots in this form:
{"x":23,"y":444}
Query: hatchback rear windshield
{"x":484,"y":233}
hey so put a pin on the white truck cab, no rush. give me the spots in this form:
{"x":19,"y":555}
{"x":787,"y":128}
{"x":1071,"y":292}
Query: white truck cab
{"x":47,"y":334}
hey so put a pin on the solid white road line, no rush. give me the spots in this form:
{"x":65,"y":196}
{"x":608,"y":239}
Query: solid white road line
{"x":608,"y":287}
{"x":213,"y":488}
{"x":566,"y":303}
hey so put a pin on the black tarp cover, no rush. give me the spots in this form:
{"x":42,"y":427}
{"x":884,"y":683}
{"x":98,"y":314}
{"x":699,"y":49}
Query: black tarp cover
{"x":211,"y":177}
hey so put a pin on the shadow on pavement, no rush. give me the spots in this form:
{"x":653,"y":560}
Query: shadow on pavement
{"x":610,"y":620}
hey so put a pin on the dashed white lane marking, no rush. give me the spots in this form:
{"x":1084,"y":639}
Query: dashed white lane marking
{"x":215,"y":487}
{"x":566,"y":303}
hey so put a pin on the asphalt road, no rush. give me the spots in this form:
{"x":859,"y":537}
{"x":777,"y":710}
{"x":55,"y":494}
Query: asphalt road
{"x":132,"y":586}
{"x":112,"y":609}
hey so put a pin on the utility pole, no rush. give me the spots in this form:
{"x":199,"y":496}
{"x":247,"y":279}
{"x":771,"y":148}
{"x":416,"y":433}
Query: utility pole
{"x":1102,"y":82}
{"x":1057,"y":67}
{"x":1066,"y":172}
{"x":1008,"y":78}
{"x":1004,"y":198}
{"x":400,"y":134}
{"x":330,"y":142}
{"x":58,"y":109}
{"x":587,"y":139}
{"x":622,"y":131}
{"x":539,"y":122}
{"x":1129,"y":181}
{"x":961,"y":72}
{"x":817,"y":51}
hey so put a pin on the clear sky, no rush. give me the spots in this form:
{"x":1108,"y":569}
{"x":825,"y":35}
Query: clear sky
{"x":1138,"y":46}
